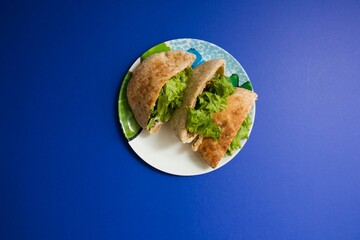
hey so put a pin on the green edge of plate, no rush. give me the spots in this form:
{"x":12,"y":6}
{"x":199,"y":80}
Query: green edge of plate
{"x":162,"y":47}
{"x":247,"y":85}
{"x":129,"y":124}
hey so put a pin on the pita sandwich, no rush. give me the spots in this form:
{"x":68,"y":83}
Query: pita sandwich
{"x":212,"y":112}
{"x":229,"y":120}
{"x":149,"y":83}
{"x":200,"y":77}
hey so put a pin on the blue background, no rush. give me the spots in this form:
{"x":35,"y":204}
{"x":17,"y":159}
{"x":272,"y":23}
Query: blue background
{"x":66,"y":171}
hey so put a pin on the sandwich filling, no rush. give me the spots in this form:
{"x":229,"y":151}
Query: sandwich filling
{"x":170,"y":98}
{"x":214,"y":99}
{"x":242,"y":134}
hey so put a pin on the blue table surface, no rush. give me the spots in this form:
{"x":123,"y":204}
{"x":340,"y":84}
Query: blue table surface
{"x":67,"y":172}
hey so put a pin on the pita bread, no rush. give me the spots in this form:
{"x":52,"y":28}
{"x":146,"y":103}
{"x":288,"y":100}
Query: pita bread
{"x":200,"y":76}
{"x":229,"y":120}
{"x":149,"y":77}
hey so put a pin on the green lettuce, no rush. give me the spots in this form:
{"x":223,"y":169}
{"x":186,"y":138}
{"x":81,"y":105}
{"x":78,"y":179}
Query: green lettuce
{"x":213,"y":99}
{"x":200,"y":121}
{"x":211,"y":102}
{"x":221,"y":86}
{"x":242,"y":134}
{"x":170,"y":98}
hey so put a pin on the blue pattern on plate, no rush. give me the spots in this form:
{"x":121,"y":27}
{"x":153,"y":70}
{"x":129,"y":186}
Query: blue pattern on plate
{"x":210,"y":51}
{"x":198,"y":59}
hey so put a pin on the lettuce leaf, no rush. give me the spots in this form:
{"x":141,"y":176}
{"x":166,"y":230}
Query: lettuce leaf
{"x":211,"y":102}
{"x":170,"y":98}
{"x":242,"y":134}
{"x":221,"y":86}
{"x":213,"y":99}
{"x":200,"y":121}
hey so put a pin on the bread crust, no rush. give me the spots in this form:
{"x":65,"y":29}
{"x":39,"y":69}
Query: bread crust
{"x":149,"y":77}
{"x":229,"y":120}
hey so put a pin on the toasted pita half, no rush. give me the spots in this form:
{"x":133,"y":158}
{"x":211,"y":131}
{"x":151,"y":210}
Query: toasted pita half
{"x":201,"y":75}
{"x":149,"y":77}
{"x":229,"y":120}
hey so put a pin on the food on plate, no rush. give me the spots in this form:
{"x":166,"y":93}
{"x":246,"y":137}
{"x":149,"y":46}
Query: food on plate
{"x":214,"y":115}
{"x":234,"y":123}
{"x":200,"y":77}
{"x":157,"y":86}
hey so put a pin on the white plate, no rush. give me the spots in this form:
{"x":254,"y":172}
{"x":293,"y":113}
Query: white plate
{"x":164,"y":151}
